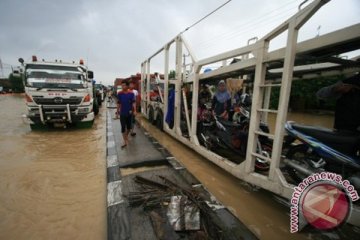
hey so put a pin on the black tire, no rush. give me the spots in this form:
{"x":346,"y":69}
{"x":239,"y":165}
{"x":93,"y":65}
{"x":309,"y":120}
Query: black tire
{"x":159,"y":121}
{"x":301,"y":156}
{"x":208,"y":142}
{"x":96,"y":107}
{"x":151,"y":115}
{"x":264,"y":166}
{"x":99,"y":100}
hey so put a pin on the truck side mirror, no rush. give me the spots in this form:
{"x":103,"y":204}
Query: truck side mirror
{"x":90,"y":74}
{"x":16,"y":73}
{"x":21,"y":60}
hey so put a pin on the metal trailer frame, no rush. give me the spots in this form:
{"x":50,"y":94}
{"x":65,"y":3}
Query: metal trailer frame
{"x":254,"y":58}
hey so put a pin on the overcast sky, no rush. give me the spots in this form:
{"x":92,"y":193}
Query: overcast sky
{"x":115,"y":36}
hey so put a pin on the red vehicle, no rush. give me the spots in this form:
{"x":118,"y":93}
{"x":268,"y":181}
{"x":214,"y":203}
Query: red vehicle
{"x":135,"y":79}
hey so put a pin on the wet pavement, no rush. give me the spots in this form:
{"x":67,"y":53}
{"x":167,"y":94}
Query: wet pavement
{"x":52,"y":183}
{"x":140,"y":149}
{"x":145,"y":157}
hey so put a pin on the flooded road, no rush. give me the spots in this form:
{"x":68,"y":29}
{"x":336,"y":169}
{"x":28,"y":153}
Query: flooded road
{"x":258,"y":209}
{"x":52,"y":183}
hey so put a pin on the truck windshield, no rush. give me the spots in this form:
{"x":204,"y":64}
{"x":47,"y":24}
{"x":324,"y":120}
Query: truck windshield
{"x":47,"y":76}
{"x":98,"y":86}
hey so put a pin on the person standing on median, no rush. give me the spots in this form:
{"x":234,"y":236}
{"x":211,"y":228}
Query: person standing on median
{"x":136,"y":93}
{"x":126,"y":109}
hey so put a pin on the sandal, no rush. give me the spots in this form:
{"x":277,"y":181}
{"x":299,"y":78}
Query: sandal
{"x":123,"y":146}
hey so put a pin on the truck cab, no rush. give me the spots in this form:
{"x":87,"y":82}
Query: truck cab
{"x":58,"y":94}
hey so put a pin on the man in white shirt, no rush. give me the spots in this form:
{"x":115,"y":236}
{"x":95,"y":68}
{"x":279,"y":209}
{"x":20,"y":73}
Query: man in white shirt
{"x":136,"y":93}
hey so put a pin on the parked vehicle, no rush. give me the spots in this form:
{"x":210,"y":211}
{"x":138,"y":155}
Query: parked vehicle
{"x":100,"y":93}
{"x":58,"y":94}
{"x":135,"y":79}
{"x":320,"y":150}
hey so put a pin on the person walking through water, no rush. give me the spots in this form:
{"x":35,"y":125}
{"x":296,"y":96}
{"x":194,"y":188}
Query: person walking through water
{"x":221,"y":102}
{"x":136,"y":93}
{"x":126,"y":109}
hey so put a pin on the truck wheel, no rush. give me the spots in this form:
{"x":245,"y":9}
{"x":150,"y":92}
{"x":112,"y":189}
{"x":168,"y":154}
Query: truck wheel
{"x":151,"y":115}
{"x":35,"y":127}
{"x":159,"y":121}
{"x":96,"y":107}
{"x":99,"y":101}
{"x":85,"y":125}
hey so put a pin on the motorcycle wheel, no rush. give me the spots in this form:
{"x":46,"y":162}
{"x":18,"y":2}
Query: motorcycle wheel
{"x":300,"y":155}
{"x":206,"y":140}
{"x":264,"y":166}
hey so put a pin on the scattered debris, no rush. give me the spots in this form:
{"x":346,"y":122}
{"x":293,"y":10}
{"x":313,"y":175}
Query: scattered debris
{"x":174,"y":209}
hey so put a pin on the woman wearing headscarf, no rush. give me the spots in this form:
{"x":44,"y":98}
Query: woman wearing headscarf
{"x":221,"y":102}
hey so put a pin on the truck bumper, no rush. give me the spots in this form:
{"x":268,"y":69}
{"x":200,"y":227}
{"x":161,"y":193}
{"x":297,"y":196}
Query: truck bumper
{"x":59,"y":114}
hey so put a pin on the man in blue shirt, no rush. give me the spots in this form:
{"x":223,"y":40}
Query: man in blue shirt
{"x":126,"y":109}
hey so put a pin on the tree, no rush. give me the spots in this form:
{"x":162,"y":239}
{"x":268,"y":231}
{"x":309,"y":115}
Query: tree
{"x":303,"y":94}
{"x":172,"y":74}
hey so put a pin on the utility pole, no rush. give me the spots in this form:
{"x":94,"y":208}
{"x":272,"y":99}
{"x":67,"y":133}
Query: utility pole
{"x":1,"y":68}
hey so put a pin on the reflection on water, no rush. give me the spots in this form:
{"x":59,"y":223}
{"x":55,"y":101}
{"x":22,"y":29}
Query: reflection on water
{"x":52,"y":183}
{"x":267,"y":218}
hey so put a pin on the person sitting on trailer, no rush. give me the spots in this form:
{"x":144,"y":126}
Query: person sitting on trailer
{"x":221,"y":102}
{"x":204,"y":99}
{"x":204,"y":95}
{"x":347,"y":110}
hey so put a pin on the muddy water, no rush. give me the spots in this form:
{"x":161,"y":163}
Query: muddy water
{"x":52,"y":183}
{"x":258,"y":209}
{"x":323,"y":120}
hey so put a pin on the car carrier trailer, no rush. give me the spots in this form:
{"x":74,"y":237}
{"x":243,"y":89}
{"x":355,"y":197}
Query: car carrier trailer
{"x":267,"y":70}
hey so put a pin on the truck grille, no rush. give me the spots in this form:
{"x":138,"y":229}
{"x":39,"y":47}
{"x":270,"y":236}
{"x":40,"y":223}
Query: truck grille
{"x":57,"y":101}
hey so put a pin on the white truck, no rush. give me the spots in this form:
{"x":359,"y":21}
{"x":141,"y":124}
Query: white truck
{"x":58,"y":94}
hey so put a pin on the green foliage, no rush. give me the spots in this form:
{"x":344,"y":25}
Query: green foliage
{"x":303,"y":94}
{"x":172,"y":74}
{"x":17,"y":84}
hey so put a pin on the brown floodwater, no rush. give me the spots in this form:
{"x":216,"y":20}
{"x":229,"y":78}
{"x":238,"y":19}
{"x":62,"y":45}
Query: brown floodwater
{"x":52,"y":183}
{"x":321,"y":120}
{"x":258,"y":209}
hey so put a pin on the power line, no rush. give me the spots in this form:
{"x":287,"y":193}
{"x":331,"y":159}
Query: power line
{"x":247,"y":29}
{"x":201,"y":19}
{"x":250,"y":23}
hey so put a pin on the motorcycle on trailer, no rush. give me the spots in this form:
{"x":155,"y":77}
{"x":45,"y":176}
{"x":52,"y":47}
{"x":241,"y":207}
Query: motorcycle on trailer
{"x":217,"y":134}
{"x":321,"y":150}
